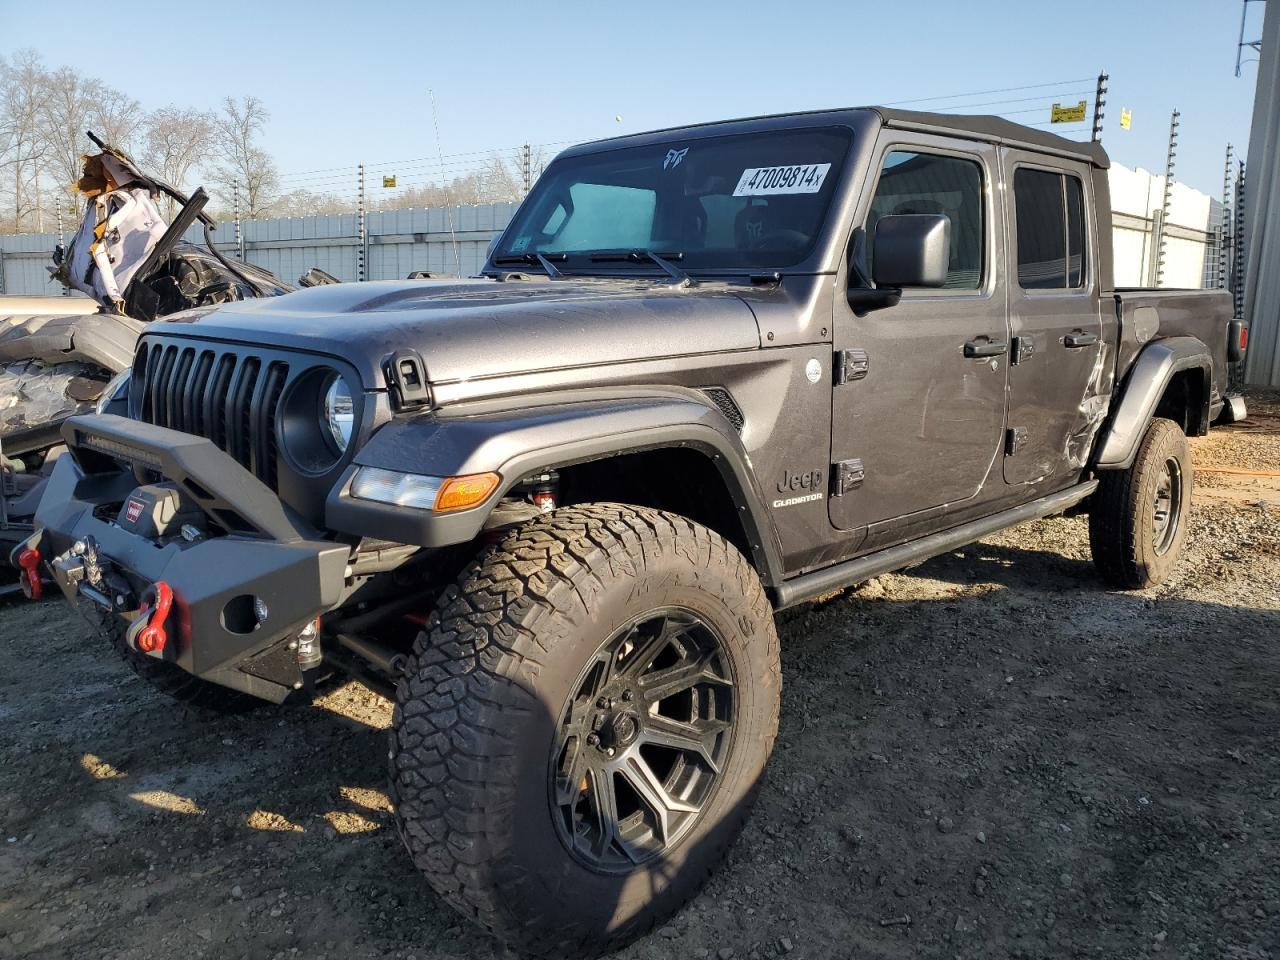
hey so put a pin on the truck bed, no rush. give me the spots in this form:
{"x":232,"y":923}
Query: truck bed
{"x":1146,"y":312}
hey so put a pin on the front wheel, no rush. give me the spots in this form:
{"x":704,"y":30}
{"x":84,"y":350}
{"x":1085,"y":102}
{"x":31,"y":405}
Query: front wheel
{"x":586,"y":726}
{"x":1138,"y":517}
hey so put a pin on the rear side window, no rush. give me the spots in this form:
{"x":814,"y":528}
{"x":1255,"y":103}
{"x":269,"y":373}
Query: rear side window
{"x":1050,"y":230}
{"x":929,"y":183}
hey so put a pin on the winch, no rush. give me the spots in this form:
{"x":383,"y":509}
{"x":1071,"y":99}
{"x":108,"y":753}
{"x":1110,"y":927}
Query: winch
{"x":159,"y":511}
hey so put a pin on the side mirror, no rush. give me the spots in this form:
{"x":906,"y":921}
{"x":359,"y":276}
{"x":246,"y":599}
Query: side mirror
{"x":912,"y":250}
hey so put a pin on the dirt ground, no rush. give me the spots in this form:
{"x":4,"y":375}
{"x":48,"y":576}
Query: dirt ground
{"x":988,"y":755}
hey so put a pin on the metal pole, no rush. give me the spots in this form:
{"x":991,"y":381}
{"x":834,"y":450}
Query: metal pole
{"x":1238,"y":238}
{"x":444,"y":183}
{"x":526,"y":168}
{"x":360,"y":265}
{"x":62,"y":242}
{"x":1099,"y":101}
{"x":235,"y":213}
{"x":1224,"y":227}
{"x":39,"y":202}
{"x":1168,"y":193}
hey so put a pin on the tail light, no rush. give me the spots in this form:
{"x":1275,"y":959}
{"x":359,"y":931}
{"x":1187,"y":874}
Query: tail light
{"x":1237,"y":340}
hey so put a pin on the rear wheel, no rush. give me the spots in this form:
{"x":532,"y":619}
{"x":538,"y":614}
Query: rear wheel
{"x":1137,"y":518}
{"x":586,"y":726}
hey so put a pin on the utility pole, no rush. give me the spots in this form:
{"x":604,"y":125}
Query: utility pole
{"x":526,"y":167}
{"x":360,"y":229}
{"x":1168,"y":193}
{"x":1254,"y":45}
{"x":1099,"y":101}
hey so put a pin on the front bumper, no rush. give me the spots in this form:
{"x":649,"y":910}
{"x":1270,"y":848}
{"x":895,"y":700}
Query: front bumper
{"x":272,"y":557}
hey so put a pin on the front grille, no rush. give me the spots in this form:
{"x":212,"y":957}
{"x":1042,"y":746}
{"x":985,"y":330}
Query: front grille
{"x":227,"y":397}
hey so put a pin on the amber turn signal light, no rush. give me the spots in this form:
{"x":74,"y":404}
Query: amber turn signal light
{"x":458,"y":493}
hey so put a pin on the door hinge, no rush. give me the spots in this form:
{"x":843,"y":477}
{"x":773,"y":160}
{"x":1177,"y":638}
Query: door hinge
{"x":1015,"y":439}
{"x":849,"y":475}
{"x":850,"y":365}
{"x":407,"y":378}
{"x":1024,"y":348}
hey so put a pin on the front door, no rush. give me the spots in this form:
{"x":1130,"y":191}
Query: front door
{"x":920,"y":416}
{"x":1058,"y":350}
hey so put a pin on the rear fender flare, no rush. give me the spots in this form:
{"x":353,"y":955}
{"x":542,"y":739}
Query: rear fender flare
{"x":515,"y":443}
{"x":1152,"y":371}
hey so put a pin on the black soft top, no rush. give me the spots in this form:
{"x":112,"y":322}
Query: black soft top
{"x":996,"y":130}
{"x":988,"y":128}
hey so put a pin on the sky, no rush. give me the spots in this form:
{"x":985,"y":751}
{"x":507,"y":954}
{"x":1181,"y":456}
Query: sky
{"x":347,"y":83}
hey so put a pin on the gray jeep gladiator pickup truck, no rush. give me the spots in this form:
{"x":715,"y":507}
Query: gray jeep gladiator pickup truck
{"x":708,"y":373}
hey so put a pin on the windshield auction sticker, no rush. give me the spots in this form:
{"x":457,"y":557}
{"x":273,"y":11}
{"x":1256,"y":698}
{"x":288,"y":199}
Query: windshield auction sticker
{"x":773,"y":181}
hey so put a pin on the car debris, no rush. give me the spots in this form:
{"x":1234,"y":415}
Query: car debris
{"x":58,"y":355}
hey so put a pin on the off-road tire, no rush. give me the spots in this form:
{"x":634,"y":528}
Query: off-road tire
{"x":476,"y":716}
{"x":173,"y":681}
{"x":1122,"y":536}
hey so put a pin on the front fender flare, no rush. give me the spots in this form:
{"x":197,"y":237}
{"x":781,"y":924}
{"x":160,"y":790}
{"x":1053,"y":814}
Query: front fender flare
{"x":1146,"y":383}
{"x":515,"y":443}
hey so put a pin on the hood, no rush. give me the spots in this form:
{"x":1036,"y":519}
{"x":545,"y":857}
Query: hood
{"x":472,"y":329}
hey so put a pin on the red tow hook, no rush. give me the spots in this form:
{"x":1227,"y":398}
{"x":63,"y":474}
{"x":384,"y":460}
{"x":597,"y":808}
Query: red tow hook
{"x":152,"y":637}
{"x":29,"y":578}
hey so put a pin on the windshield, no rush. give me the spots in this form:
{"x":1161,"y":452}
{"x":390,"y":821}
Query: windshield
{"x":725,"y":203}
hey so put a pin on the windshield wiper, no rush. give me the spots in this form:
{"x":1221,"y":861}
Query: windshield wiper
{"x":537,"y":259}
{"x":677,"y":275}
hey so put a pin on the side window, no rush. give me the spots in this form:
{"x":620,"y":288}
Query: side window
{"x":928,"y":183}
{"x":1050,"y":230}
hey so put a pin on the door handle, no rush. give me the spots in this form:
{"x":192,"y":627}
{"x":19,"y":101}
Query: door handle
{"x":982,"y":347}
{"x":1073,"y":340}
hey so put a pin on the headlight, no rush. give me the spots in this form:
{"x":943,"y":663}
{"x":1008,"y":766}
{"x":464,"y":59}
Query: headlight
{"x":339,"y":412}
{"x":441,"y":494}
{"x":117,"y":388}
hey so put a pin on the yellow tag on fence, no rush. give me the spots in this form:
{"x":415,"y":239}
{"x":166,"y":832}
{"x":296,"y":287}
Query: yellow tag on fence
{"x":1061,"y":114}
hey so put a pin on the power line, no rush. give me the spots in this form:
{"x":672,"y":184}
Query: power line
{"x":983,"y":93}
{"x":992,"y":103}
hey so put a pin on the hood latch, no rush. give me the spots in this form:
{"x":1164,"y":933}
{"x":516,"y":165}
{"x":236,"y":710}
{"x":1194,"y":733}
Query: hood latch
{"x":407,"y":378}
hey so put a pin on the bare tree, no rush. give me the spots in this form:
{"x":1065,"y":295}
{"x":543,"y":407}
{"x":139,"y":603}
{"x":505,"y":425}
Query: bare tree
{"x":244,"y":163}
{"x":24,"y":91}
{"x":116,"y":118}
{"x":498,"y":183}
{"x":305,"y":203}
{"x":68,"y":111}
{"x":176,"y":140}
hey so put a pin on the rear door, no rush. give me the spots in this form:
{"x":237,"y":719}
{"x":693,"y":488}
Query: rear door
{"x":1057,"y":346}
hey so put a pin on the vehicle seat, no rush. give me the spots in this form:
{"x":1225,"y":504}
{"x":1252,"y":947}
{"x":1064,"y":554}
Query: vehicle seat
{"x":753,"y":223}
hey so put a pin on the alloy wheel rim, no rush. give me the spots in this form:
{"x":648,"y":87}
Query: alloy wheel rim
{"x":1167,"y":506}
{"x":642,"y":740}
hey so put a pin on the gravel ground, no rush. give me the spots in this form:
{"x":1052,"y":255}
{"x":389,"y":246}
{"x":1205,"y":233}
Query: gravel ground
{"x":988,"y":755}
